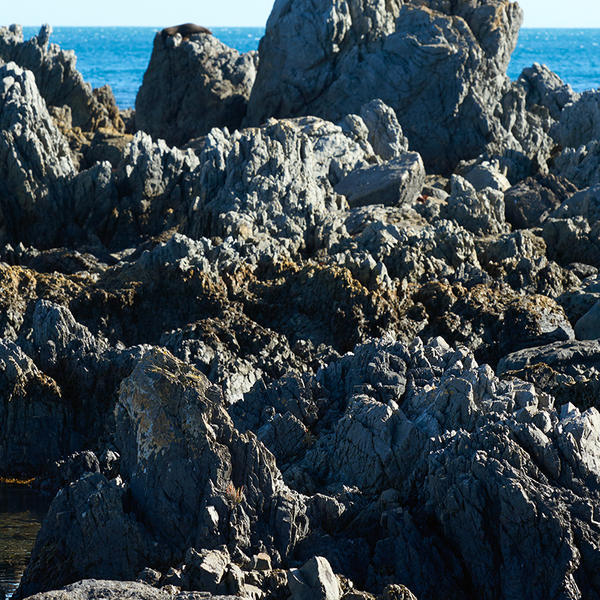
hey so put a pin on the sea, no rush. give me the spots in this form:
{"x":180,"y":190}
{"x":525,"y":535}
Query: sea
{"x":118,"y":56}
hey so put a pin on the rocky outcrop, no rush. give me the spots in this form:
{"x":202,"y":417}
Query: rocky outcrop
{"x":168,"y":418}
{"x":33,"y":414}
{"x":530,"y":202}
{"x":278,"y":181}
{"x":577,"y":132}
{"x":58,"y":80}
{"x":581,"y":165}
{"x":567,"y":370}
{"x":34,"y":158}
{"x":545,"y":88}
{"x":288,"y":360}
{"x":579,"y":121}
{"x":193,"y":85}
{"x":403,"y":464}
{"x":441,"y":69}
{"x":570,"y":232}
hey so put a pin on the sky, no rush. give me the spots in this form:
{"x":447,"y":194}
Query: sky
{"x":237,"y":13}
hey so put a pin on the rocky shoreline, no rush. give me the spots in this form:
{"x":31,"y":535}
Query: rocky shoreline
{"x":318,"y":322}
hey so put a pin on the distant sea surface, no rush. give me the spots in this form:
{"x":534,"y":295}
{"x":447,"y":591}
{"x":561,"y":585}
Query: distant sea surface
{"x":119,"y":55}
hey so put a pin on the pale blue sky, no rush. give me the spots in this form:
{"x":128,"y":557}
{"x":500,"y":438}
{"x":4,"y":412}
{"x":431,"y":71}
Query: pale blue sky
{"x":538,"y":13}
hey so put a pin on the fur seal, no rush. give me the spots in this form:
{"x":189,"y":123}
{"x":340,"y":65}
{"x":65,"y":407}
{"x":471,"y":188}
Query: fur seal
{"x":184,"y":30}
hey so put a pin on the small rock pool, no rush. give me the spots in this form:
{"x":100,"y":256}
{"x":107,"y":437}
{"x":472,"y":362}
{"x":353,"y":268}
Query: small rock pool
{"x":21,"y":514}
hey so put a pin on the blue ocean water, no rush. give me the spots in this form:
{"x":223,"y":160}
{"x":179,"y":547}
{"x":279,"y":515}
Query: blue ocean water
{"x":574,"y":54}
{"x":119,"y":55}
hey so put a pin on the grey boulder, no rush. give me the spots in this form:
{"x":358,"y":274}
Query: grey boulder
{"x":314,"y":581}
{"x":588,"y":326}
{"x":391,"y":184}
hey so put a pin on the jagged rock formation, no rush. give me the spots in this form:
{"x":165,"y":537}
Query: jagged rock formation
{"x":34,"y":155}
{"x":441,"y":68}
{"x":461,"y":433}
{"x":193,"y":85}
{"x":291,"y":360}
{"x":577,"y":131}
{"x":58,"y":80}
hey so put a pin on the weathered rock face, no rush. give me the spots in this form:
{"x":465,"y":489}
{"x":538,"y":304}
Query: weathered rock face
{"x":193,"y":85}
{"x":34,"y":157}
{"x":545,"y":88}
{"x":277,"y":182}
{"x":567,"y":370}
{"x":391,"y":184}
{"x":87,"y":529}
{"x":440,"y":68}
{"x":579,"y":122}
{"x":32,"y":414}
{"x":213,"y":357}
{"x":581,"y":165}
{"x":530,"y":202}
{"x":112,"y":590}
{"x":181,"y":454}
{"x":57,"y":78}
{"x":459,"y":433}
{"x":571,"y":232}
{"x":577,"y":132}
{"x":471,"y":316}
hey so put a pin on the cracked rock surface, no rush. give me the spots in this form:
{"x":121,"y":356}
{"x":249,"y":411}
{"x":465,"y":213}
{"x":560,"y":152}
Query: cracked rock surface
{"x":326,"y":327}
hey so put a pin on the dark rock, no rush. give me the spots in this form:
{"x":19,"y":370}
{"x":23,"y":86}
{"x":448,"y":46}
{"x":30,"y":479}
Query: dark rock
{"x":193,"y":85}
{"x":473,"y":316}
{"x":209,"y":486}
{"x":34,"y":158}
{"x":392,"y":184}
{"x":588,"y":326}
{"x":581,"y":165}
{"x":396,"y":592}
{"x":579,"y":121}
{"x":121,"y":590}
{"x":107,"y":146}
{"x":571,"y":231}
{"x":529,"y":203}
{"x":570,"y":371}
{"x":33,"y":414}
{"x":149,"y":576}
{"x":88,"y":529}
{"x":262,"y":562}
{"x":68,"y":470}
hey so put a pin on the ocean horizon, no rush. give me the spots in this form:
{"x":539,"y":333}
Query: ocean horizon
{"x":118,"y":56}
